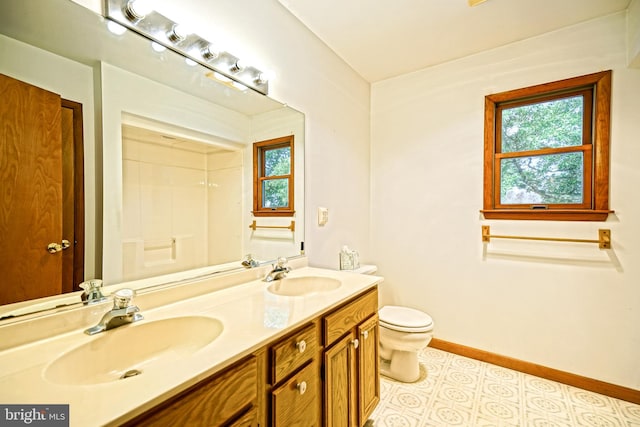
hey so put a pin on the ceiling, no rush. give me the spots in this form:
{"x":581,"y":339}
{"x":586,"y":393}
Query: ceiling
{"x":380,"y":39}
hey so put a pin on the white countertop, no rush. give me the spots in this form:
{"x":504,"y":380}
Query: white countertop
{"x":251,"y":316}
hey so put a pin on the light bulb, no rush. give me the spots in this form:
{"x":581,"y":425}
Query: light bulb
{"x":136,"y":10}
{"x":158,"y":47}
{"x":116,"y":28}
{"x":177,"y":33}
{"x":265,"y":77}
{"x":209,"y":52}
{"x":238,"y":66}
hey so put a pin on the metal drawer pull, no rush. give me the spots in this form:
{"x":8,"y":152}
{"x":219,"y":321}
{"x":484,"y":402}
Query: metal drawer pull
{"x":52,"y":248}
{"x":355,"y":343}
{"x":301,"y":346}
{"x":302,"y":387}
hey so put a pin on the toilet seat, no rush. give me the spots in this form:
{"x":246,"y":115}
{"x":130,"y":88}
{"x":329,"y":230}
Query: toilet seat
{"x":404,"y":319}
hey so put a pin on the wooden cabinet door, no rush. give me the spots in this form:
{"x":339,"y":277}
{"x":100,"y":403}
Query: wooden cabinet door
{"x":296,"y":403}
{"x":368,"y":368}
{"x":339,"y":384}
{"x":31,"y":194}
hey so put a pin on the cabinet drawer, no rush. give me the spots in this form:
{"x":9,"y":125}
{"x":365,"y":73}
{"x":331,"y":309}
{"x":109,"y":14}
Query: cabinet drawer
{"x":209,"y":403}
{"x":297,"y":401}
{"x":352,"y":313}
{"x":292,"y":352}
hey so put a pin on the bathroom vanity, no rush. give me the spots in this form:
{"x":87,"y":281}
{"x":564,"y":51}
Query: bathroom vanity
{"x":251,"y":354}
{"x":282,"y":383}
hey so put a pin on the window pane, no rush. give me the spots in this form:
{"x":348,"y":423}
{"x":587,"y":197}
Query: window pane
{"x":277,"y":161}
{"x":549,"y":124}
{"x":549,"y":179}
{"x":275,"y":193}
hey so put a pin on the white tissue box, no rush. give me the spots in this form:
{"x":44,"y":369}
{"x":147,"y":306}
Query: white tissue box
{"x":349,"y":260}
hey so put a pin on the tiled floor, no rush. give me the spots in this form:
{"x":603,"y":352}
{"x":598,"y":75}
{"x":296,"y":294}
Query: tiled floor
{"x":459,"y":391}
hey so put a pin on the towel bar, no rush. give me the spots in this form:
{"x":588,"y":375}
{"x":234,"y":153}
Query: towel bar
{"x":604,"y":238}
{"x":291,"y":226}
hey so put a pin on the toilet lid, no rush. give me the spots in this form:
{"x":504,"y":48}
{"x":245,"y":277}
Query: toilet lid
{"x":404,"y":319}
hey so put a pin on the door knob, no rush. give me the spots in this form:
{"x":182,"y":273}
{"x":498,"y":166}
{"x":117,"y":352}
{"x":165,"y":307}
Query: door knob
{"x":57,"y":247}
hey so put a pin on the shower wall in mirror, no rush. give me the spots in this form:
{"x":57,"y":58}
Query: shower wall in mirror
{"x":180,"y":198}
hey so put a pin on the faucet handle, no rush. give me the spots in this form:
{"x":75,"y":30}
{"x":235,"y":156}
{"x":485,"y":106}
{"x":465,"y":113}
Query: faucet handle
{"x":92,"y":291}
{"x":281,"y":262}
{"x":249,"y":262}
{"x":91,"y":285}
{"x":122,"y":298}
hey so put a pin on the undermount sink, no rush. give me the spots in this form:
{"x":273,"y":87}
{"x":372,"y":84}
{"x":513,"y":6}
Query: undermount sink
{"x":125,"y":351}
{"x":306,"y":285}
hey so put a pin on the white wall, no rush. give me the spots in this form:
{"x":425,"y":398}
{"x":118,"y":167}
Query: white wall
{"x":567,"y":306}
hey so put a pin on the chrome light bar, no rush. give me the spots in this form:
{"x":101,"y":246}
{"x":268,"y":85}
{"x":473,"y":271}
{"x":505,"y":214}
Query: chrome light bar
{"x":162,"y":30}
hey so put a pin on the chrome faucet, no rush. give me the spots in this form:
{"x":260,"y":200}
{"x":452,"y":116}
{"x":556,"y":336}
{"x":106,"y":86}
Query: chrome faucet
{"x":92,"y":291}
{"x":279,"y":271}
{"x":122,"y":313}
{"x":249,"y":262}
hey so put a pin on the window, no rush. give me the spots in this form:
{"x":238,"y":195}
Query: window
{"x":546,"y":151}
{"x":273,"y":177}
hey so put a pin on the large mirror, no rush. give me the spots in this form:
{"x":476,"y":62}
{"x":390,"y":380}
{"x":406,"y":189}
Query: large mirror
{"x":166,"y":153}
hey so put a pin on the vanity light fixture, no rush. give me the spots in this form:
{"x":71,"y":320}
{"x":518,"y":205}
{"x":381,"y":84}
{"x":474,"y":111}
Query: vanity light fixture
{"x":139,"y":16}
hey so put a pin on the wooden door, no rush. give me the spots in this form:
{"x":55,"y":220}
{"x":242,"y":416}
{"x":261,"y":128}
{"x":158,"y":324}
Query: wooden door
{"x":30,"y":192}
{"x":368,"y":368}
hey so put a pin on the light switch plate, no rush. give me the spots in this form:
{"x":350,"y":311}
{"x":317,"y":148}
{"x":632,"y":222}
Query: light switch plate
{"x":323,"y":216}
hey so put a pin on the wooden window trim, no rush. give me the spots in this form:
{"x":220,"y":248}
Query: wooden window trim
{"x":598,"y":206}
{"x":258,"y":177}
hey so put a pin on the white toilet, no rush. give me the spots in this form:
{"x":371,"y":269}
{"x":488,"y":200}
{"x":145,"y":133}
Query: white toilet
{"x":404,"y":332}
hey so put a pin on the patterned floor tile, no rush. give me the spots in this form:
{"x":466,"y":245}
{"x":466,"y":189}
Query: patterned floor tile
{"x":457,"y":391}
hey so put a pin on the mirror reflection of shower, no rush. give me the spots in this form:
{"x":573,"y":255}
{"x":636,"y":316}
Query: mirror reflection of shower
{"x":182,"y":202}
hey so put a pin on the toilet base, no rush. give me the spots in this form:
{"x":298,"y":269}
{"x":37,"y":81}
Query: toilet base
{"x":403,"y":366}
